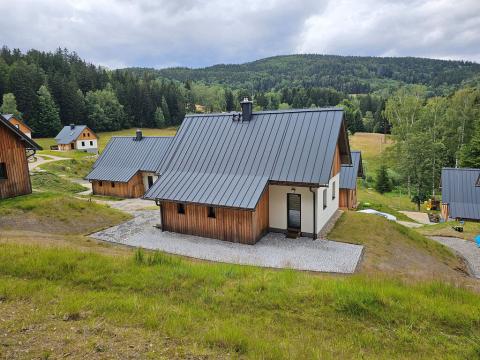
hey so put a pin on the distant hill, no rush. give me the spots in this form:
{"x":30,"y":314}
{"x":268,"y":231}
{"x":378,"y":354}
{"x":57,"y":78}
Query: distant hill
{"x":350,"y":74}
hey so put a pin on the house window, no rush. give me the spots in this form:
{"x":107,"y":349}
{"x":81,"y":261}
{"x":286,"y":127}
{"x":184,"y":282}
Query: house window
{"x":91,"y":143}
{"x":333,"y":191}
{"x":88,"y":134}
{"x":324,"y":199}
{"x":211,"y":212}
{"x":181,"y":208}
{"x":3,"y":171}
{"x":83,"y":143}
{"x":113,"y":184}
{"x":100,"y":183}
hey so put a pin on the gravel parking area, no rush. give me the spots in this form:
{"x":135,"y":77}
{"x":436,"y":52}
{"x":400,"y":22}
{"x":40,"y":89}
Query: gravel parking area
{"x":467,"y":249}
{"x":273,"y":250}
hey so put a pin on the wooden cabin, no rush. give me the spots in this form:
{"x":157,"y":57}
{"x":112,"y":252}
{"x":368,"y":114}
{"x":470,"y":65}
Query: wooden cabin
{"x":77,"y":137}
{"x":15,"y":148}
{"x":460,"y":194}
{"x":237,"y":176}
{"x":19,"y":124}
{"x":126,"y":168}
{"x":348,"y":182}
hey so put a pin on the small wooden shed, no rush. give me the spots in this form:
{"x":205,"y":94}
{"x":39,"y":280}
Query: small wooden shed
{"x":348,"y":182}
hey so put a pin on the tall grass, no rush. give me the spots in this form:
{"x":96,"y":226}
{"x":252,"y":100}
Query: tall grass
{"x":245,"y":310}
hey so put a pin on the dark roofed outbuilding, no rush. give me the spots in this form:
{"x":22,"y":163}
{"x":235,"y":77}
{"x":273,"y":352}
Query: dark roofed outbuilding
{"x":128,"y":162}
{"x":348,"y":181}
{"x":460,"y":193}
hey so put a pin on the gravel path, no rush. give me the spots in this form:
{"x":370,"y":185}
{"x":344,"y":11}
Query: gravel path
{"x":419,"y":217}
{"x":273,"y":250}
{"x":43,"y":160}
{"x":467,"y":249}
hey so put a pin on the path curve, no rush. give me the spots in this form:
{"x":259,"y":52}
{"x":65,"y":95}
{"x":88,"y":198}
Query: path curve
{"x":41,"y":160}
{"x":467,"y":249}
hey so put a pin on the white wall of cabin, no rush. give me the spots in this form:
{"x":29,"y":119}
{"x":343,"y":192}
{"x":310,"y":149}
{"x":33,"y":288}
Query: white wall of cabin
{"x":87,"y":145}
{"x":145,"y":176}
{"x":278,"y":205}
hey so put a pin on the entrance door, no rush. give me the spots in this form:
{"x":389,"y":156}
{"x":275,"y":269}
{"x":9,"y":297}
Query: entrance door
{"x":72,"y":145}
{"x":293,"y":211}
{"x":150,"y":181}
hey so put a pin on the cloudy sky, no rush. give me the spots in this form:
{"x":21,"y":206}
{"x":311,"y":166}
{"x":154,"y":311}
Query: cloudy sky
{"x":161,"y":33}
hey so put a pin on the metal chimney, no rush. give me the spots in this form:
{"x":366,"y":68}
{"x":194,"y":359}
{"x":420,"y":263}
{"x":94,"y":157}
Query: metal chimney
{"x":247,"y":107}
{"x":72,"y":126}
{"x":139,"y":135}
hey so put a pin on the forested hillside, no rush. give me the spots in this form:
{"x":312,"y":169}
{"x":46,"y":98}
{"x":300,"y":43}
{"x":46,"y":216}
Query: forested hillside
{"x":348,"y":74}
{"x":51,"y":89}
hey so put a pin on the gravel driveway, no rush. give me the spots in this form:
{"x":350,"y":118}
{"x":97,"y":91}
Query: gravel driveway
{"x":273,"y":250}
{"x":467,"y":249}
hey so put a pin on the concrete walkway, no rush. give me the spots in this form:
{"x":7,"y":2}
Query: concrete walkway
{"x":465,"y":248}
{"x":273,"y":250}
{"x":419,"y":217}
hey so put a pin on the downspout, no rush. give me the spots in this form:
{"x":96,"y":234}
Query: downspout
{"x":159,"y":204}
{"x":314,"y":213}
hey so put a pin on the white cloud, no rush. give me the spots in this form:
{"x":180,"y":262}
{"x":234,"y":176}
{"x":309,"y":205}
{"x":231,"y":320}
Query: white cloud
{"x":118,"y":33}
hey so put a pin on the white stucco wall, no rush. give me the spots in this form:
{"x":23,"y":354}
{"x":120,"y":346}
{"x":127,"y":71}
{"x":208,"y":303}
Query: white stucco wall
{"x":145,"y":176}
{"x":323,"y":215}
{"x":278,"y":205}
{"x":87,"y":145}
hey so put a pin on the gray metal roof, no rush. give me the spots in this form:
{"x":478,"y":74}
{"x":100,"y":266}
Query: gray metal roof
{"x":460,"y":192}
{"x":7,"y":116}
{"x":215,"y":160}
{"x":67,"y":134}
{"x":124,"y":156}
{"x":29,"y":143}
{"x":349,"y":173}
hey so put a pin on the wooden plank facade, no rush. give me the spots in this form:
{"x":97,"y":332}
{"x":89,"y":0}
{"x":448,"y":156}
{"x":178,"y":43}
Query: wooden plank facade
{"x":14,"y":160}
{"x":235,"y":225}
{"x":21,"y":126}
{"x":444,"y":211}
{"x":347,"y":199}
{"x":132,"y":189}
{"x":337,"y":162}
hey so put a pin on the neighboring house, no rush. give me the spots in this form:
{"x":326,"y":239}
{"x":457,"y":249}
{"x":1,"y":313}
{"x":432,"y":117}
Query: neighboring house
{"x":236,"y":176}
{"x":77,"y":137}
{"x":19,"y":124}
{"x":126,"y":168}
{"x":15,"y":147}
{"x":460,"y":193}
{"x":348,"y":181}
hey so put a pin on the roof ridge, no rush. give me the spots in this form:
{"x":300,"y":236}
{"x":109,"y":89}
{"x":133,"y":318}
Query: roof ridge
{"x":463,"y":169}
{"x":230,"y":113}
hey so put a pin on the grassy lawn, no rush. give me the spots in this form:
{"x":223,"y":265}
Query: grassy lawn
{"x":371,"y":146}
{"x":154,"y":305}
{"x":44,"y":181}
{"x":57,"y":213}
{"x":73,"y":168}
{"x":470,"y":230}
{"x":74,"y":154}
{"x":103,"y":139}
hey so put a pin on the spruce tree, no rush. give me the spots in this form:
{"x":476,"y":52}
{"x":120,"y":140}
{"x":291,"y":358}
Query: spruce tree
{"x":45,"y":119}
{"x":9,"y":105}
{"x":166,"y":112}
{"x":159,"y":118}
{"x":383,"y":185}
{"x":470,"y":153}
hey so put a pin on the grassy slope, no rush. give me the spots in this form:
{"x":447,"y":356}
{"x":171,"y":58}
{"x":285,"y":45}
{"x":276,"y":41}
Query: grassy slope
{"x":44,"y":181}
{"x":56,"y":213}
{"x":180,"y":307}
{"x":73,"y":168}
{"x":391,"y":248}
